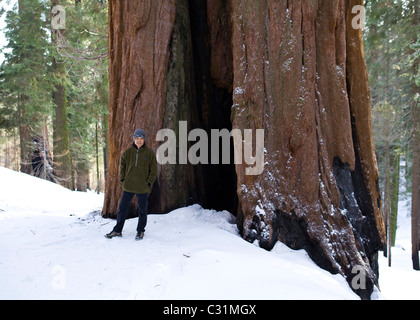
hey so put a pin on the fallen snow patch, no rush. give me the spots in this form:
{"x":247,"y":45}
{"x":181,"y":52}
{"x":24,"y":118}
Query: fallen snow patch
{"x":53,"y":247}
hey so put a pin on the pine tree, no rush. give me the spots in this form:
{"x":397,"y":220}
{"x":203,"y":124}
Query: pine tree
{"x":68,"y":65}
{"x":26,"y":79}
{"x":83,"y":49}
{"x":392,"y":54}
{"x":381,"y":49}
{"x":62,"y":159}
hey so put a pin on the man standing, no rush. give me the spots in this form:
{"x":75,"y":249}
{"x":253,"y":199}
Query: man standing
{"x":138,"y":170}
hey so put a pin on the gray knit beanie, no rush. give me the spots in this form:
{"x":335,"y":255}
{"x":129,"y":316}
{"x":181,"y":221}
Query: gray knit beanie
{"x":139,"y":133}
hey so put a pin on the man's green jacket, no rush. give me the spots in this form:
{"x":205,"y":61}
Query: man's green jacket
{"x":138,"y":169}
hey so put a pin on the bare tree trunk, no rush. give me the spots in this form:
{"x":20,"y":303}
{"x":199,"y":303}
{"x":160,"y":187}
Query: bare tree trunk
{"x":387,"y":193}
{"x":105,"y":149}
{"x":25,"y":138}
{"x":308,"y":88}
{"x":83,"y":180}
{"x":415,"y":190}
{"x":415,"y":198}
{"x":395,"y":189}
{"x":151,"y":79}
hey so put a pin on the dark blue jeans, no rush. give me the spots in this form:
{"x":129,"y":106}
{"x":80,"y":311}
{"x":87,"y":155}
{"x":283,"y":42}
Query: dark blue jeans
{"x":123,"y":209}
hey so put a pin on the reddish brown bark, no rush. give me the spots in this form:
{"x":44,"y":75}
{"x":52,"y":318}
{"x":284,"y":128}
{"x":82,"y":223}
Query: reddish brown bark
{"x":293,"y":68}
{"x":300,"y":73}
{"x":151,"y":87}
{"x":139,"y":37}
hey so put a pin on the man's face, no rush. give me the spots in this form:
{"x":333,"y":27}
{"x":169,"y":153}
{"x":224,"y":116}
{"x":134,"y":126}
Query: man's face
{"x":139,"y":141}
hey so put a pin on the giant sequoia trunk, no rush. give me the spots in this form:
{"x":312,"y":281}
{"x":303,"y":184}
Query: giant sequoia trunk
{"x":293,"y":68}
{"x":151,"y":87}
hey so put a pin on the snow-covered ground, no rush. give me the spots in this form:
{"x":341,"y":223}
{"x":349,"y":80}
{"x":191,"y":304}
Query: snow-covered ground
{"x":400,"y":281}
{"x":52,"y":246}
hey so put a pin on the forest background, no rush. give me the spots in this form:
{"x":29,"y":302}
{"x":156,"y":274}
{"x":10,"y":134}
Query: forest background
{"x":54,"y":93}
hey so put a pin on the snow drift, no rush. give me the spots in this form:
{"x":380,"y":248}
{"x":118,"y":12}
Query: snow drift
{"x":52,"y":247}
